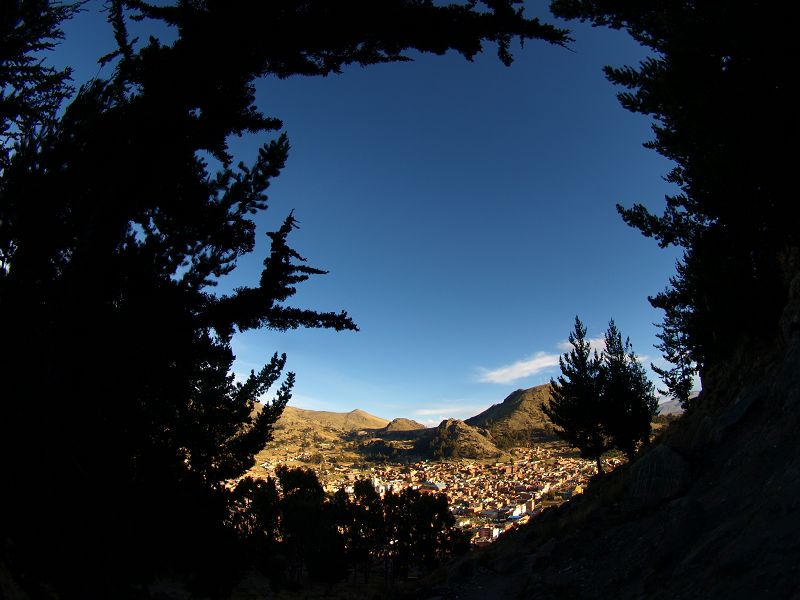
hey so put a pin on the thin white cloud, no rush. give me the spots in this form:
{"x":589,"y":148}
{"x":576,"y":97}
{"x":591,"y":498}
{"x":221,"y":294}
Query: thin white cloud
{"x":432,"y":416}
{"x":452,"y":410}
{"x":539,"y":362}
{"x":596,"y":343}
{"x":522,"y":368}
{"x":308,"y":402}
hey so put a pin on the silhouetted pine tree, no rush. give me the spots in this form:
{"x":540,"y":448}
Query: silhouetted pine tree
{"x":719,"y":89}
{"x":628,"y":400}
{"x":30,"y":91}
{"x":368,"y":533}
{"x":575,"y":406}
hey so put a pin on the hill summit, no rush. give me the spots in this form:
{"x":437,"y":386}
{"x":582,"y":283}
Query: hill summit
{"x":454,"y":438}
{"x":402,"y":425}
{"x":349,"y":421}
{"x":518,"y":419}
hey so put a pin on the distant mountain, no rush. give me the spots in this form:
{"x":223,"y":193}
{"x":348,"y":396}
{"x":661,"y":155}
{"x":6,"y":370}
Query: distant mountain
{"x":456,"y":439}
{"x":670,"y":407}
{"x":517,"y":419}
{"x":402,"y":425}
{"x":349,"y":421}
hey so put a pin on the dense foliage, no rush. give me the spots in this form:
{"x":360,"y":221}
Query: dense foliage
{"x":719,"y":90}
{"x":627,"y":395}
{"x":574,"y":405}
{"x":299,"y":532}
{"x":118,"y":401}
{"x":601,"y":400}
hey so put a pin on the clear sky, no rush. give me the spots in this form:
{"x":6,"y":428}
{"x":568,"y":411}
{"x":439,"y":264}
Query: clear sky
{"x":466,"y":214}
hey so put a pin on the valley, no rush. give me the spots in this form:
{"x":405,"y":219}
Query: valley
{"x":498,"y":469}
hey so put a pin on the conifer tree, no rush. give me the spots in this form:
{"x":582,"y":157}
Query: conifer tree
{"x":575,"y":406}
{"x":601,"y":401}
{"x":718,"y":87}
{"x":628,"y":401}
{"x":30,"y":91}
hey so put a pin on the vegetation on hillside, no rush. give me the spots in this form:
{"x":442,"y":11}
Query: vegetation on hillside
{"x":453,"y":438}
{"x":518,"y":420}
{"x":292,"y":531}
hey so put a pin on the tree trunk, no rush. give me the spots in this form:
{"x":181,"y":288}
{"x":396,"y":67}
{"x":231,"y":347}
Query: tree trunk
{"x":599,"y":466}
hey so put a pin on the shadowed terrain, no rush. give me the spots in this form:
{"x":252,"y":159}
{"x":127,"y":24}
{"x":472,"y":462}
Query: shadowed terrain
{"x":708,"y":511}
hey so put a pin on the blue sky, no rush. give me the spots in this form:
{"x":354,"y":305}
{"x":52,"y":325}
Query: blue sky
{"x":466,"y":214}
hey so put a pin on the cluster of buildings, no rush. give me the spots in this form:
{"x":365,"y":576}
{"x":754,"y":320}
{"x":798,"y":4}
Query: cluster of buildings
{"x":486,"y":498}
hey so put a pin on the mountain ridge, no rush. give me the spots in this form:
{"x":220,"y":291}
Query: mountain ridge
{"x":518,"y":418}
{"x":346,"y":421}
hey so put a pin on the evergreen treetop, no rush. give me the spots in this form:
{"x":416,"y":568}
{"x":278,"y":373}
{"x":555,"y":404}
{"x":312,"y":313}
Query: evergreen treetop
{"x":601,"y":401}
{"x":719,"y":89}
{"x":629,"y":402}
{"x":575,"y":407}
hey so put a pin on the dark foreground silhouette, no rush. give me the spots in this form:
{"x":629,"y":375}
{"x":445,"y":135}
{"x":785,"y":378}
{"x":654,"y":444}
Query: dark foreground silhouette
{"x":121,"y":420}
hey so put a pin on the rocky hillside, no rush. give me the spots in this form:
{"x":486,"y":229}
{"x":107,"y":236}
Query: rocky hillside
{"x":453,"y":438}
{"x":518,"y":419}
{"x":711,"y":510}
{"x":402,"y":425}
{"x":670,"y":407}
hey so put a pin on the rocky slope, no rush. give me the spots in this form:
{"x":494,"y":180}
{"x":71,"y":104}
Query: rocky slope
{"x":711,"y":510}
{"x":453,"y":438}
{"x":402,"y":425}
{"x":518,"y":419}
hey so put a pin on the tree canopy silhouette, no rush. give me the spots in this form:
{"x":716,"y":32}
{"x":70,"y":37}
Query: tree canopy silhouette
{"x":718,"y":88}
{"x":301,"y":533}
{"x":628,"y":399}
{"x":601,"y":400}
{"x":575,"y":405}
{"x":118,"y":400}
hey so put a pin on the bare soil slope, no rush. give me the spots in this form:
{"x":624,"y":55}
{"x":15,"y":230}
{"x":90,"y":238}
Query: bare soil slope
{"x":349,"y":421}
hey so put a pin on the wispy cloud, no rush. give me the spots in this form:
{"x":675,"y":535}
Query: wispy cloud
{"x":447,"y":410}
{"x":522,"y":368}
{"x":434,"y":415}
{"x":595,"y":343}
{"x":308,"y":402}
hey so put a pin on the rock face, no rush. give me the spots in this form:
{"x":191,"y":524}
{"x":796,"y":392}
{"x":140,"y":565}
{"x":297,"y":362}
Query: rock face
{"x":453,"y":438}
{"x":402,"y":425}
{"x":712,"y":510}
{"x":670,"y":407}
{"x":518,"y":419}
{"x":659,"y":475}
